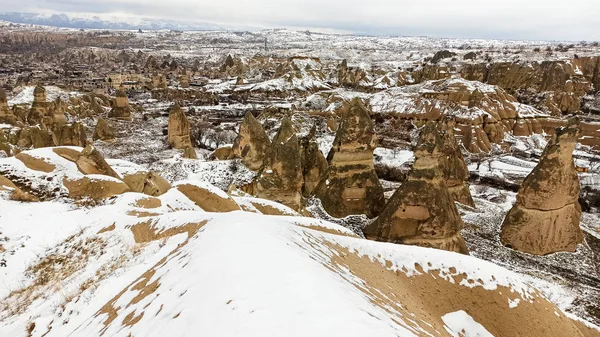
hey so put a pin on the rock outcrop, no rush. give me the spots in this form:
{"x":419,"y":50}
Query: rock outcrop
{"x":121,"y":109}
{"x":39,"y":107}
{"x":351,"y":185}
{"x":103,"y":130}
{"x":251,"y":144}
{"x":421,"y":211}
{"x":179,"y":129}
{"x":545,"y":218}
{"x":69,"y":135}
{"x":280,"y":178}
{"x":91,"y":161}
{"x":314,"y":164}
{"x":6,"y":115}
{"x":452,"y":164}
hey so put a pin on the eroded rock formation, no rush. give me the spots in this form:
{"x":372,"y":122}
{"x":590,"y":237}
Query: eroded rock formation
{"x":6,"y":115}
{"x":452,"y":164}
{"x":251,"y":144}
{"x":103,"y":130}
{"x":280,"y":178}
{"x":351,"y":185}
{"x":545,"y":218}
{"x":121,"y":109}
{"x":314,"y":164}
{"x":421,"y":211}
{"x":179,"y":129}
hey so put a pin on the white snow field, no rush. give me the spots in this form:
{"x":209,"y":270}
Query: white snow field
{"x":108,"y":271}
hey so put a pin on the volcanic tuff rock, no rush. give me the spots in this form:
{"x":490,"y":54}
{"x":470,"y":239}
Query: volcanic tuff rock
{"x":452,"y":163}
{"x":421,"y":211}
{"x":121,"y":109}
{"x":280,"y":178}
{"x":103,"y":130}
{"x":251,"y":144}
{"x":545,"y":218}
{"x":6,"y":115}
{"x":351,"y":185}
{"x":483,"y":112}
{"x":179,"y":129}
{"x":39,"y":107}
{"x":91,"y":161}
{"x":69,"y":135}
{"x":314,"y":164}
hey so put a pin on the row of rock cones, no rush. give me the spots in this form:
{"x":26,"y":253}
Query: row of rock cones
{"x":422,"y":211}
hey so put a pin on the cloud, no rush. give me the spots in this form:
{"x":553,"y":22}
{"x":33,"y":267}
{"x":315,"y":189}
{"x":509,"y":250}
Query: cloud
{"x":507,"y":19}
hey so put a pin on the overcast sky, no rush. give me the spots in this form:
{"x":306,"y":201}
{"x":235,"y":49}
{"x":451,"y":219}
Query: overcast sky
{"x":503,"y":19}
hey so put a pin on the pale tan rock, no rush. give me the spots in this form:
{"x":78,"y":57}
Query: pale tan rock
{"x":91,"y":161}
{"x":121,"y":109}
{"x":421,"y":211}
{"x":251,"y":144}
{"x":103,"y":131}
{"x":207,"y":198}
{"x":179,"y":129}
{"x":189,"y":153}
{"x":222,"y":153}
{"x":314,"y":164}
{"x":351,"y":185}
{"x":545,"y":218}
{"x":280,"y":178}
{"x":452,"y":164}
{"x":149,"y":183}
{"x":69,"y":134}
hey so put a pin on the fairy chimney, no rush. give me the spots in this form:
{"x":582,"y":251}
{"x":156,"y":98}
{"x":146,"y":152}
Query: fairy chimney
{"x":314,"y":164}
{"x":121,"y":109}
{"x":39,"y":107}
{"x":421,"y":212}
{"x":351,"y":185}
{"x":179,"y":129}
{"x":103,"y":130}
{"x":6,"y":115}
{"x":184,"y":79}
{"x":452,"y":164}
{"x":545,"y":218}
{"x":280,"y":178}
{"x":251,"y":144}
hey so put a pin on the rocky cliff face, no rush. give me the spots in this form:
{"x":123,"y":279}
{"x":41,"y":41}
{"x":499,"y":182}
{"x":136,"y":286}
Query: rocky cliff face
{"x":545,"y":218}
{"x":422,"y":211}
{"x":351,"y":185}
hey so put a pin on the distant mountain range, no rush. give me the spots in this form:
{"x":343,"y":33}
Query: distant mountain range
{"x":95,"y":22}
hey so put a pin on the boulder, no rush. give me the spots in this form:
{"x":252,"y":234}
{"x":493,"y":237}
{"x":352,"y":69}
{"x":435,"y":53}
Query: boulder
{"x":91,"y":161}
{"x":189,"y":153}
{"x":222,"y":153}
{"x":351,"y":185}
{"x":251,"y":144}
{"x":421,"y":211}
{"x":545,"y":218}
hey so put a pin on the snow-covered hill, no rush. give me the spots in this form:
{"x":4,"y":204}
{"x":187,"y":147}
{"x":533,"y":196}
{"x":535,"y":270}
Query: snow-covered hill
{"x":136,"y":265}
